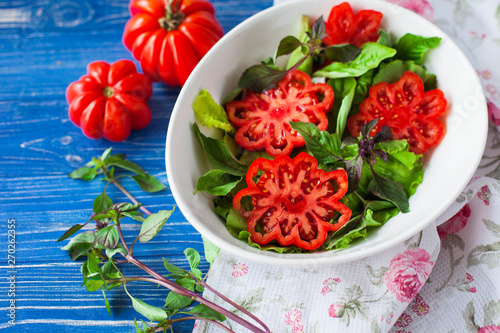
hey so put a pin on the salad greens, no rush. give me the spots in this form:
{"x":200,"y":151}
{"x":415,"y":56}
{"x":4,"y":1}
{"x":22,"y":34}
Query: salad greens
{"x":382,"y":172}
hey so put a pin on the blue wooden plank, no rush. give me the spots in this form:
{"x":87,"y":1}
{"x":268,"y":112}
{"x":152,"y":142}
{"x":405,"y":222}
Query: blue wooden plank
{"x":45,"y":45}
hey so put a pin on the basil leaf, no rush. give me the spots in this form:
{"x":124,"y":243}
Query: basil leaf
{"x":217,"y":182}
{"x":210,"y":114}
{"x":204,"y":311}
{"x":343,"y":90}
{"x":389,"y":190}
{"x":325,"y":147}
{"x":354,"y":168}
{"x":211,"y":250}
{"x":413,"y":47}
{"x":107,"y":237}
{"x":392,"y":72}
{"x":318,"y":29}
{"x":153,"y":313}
{"x":258,"y":78}
{"x":71,"y":231}
{"x":342,"y":52}
{"x":172,"y":268}
{"x":364,"y":82}
{"x":102,"y":203}
{"x":85,"y":173}
{"x":384,"y":38}
{"x":153,"y":224}
{"x":219,"y":156}
{"x":370,"y":57}
{"x":176,"y":301}
{"x":193,"y":257}
{"x":149,"y":183}
{"x":287,"y":45}
{"x":120,"y":162}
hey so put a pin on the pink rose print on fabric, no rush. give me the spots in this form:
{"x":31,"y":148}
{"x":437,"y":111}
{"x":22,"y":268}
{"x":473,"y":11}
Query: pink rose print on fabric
{"x":294,"y":317}
{"x":407,"y":273}
{"x":334,"y":310}
{"x":469,"y":277}
{"x":455,"y":224}
{"x":474,"y":290}
{"x":493,"y":114}
{"x":489,"y":329}
{"x":239,"y":269}
{"x":421,"y":7}
{"x":403,"y":320}
{"x":329,"y":284}
{"x":485,"y":195}
{"x":387,"y":317}
{"x":402,"y":331}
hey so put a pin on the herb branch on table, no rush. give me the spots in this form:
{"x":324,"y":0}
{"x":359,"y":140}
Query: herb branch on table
{"x":101,"y":269}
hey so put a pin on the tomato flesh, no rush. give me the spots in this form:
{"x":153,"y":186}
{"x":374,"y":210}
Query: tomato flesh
{"x":343,"y":26}
{"x":263,"y":118}
{"x":293,"y":202}
{"x":410,"y":113}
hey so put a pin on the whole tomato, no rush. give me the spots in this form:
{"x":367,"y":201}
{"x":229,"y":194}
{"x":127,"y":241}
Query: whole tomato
{"x":169,"y":37}
{"x":110,"y":100}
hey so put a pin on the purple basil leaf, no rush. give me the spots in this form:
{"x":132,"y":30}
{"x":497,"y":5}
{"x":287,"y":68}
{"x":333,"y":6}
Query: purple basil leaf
{"x":380,"y":154}
{"x":354,"y":167}
{"x":385,"y":134}
{"x":389,"y":190}
{"x":258,"y":78}
{"x":287,"y":45}
{"x":368,"y":127}
{"x":318,"y":29}
{"x":342,"y":52}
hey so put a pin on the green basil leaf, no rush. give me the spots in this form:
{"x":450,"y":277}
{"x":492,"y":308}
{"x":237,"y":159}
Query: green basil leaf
{"x":325,"y":147}
{"x":413,"y":47}
{"x":193,"y":257}
{"x":176,"y":301}
{"x":153,"y":224}
{"x":153,"y":313}
{"x":102,"y":203}
{"x":118,"y":249}
{"x":384,"y":38}
{"x":85,"y":173}
{"x":86,"y":237}
{"x":149,"y":183}
{"x":107,"y":237}
{"x":106,"y":153}
{"x":370,"y":57}
{"x":204,"y":311}
{"x":343,"y":90}
{"x":211,"y":250}
{"x":364,"y":82}
{"x":217,"y":182}
{"x":210,"y":114}
{"x":287,"y":45}
{"x":172,"y":268}
{"x":219,"y":155}
{"x":123,"y":207}
{"x":260,"y":77}
{"x":120,"y":162}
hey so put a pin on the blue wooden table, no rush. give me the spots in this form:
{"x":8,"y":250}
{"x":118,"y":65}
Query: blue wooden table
{"x":44,"y":46}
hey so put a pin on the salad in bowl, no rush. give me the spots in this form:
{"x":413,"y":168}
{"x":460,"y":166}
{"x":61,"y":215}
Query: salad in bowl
{"x":329,"y":142}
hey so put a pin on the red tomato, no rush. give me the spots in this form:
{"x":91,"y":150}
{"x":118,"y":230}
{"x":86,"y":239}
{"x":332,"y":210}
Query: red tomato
{"x":169,"y":37}
{"x":293,"y":202}
{"x":345,"y":27}
{"x":410,"y":113}
{"x":110,"y":100}
{"x":263,"y":118}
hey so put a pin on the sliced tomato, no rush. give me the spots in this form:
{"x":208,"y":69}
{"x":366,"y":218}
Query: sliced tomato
{"x":410,"y":113}
{"x":293,"y":202}
{"x":263,"y":118}
{"x":343,"y":26}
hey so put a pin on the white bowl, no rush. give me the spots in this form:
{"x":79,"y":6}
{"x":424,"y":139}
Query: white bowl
{"x":446,"y":173}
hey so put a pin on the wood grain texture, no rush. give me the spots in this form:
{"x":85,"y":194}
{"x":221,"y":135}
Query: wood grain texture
{"x":44,"y":46}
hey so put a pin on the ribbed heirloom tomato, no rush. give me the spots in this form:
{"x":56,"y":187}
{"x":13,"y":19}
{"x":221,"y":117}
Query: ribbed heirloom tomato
{"x":343,"y":26}
{"x":169,"y":37}
{"x":110,"y":100}
{"x":263,"y":118}
{"x":410,"y":113}
{"x":293,"y":202}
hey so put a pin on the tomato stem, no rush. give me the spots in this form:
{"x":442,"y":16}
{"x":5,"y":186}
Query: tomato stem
{"x":108,"y":92}
{"x":173,"y":16}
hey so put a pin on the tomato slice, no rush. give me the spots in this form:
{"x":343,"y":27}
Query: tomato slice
{"x":263,"y":118}
{"x":410,"y":113}
{"x":343,"y":26}
{"x":293,"y":202}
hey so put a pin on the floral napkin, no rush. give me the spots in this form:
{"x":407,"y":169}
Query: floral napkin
{"x":444,"y":279}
